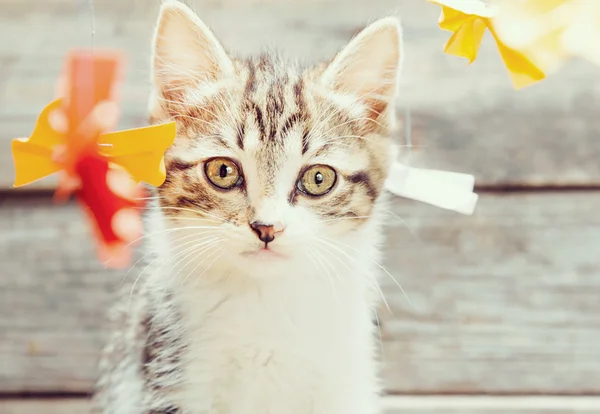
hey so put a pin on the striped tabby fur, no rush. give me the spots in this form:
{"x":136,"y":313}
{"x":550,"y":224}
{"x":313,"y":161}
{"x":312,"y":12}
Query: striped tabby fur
{"x":216,"y":323}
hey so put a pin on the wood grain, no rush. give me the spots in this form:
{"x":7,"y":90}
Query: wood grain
{"x":393,"y":405}
{"x":504,"y":302}
{"x":466,"y":118}
{"x":49,"y":406}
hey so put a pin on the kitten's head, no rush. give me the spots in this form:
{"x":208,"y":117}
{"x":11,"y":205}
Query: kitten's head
{"x":271,"y":161}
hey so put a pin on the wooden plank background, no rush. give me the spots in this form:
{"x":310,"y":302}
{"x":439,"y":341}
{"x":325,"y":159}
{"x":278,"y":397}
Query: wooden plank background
{"x":499,"y":303}
{"x":467,"y":117}
{"x":503,"y":303}
{"x":393,"y":405}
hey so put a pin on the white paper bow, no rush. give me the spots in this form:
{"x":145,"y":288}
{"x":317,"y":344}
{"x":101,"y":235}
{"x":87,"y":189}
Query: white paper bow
{"x":444,"y":189}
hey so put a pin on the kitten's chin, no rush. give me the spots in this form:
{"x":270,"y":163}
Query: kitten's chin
{"x":254,"y":261}
{"x":264,"y":255}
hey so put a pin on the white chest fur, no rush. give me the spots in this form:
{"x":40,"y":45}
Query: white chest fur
{"x":300,"y":343}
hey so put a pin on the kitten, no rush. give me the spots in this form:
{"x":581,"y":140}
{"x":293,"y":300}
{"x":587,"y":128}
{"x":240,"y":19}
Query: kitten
{"x":261,"y":290}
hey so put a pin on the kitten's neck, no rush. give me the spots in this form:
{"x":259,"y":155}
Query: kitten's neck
{"x":300,"y":307}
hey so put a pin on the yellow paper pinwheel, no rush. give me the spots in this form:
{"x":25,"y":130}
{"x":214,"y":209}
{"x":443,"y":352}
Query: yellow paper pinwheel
{"x":468,"y":20}
{"x":140,"y":151}
{"x":552,"y":30}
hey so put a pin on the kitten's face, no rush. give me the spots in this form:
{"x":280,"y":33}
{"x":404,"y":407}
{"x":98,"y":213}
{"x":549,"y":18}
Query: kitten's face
{"x":270,"y":162}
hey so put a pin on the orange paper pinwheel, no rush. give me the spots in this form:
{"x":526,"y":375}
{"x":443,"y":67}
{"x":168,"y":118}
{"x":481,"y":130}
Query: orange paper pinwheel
{"x":468,"y":21}
{"x":140,"y":151}
{"x":70,"y":138}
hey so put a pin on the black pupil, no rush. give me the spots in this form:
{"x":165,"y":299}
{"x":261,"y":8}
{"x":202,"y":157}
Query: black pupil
{"x":318,"y":178}
{"x":223,"y":171}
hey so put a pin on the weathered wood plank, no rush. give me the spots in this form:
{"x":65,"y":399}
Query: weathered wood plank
{"x":504,"y":302}
{"x":47,"y":406}
{"x":490,"y":404}
{"x":393,"y":405}
{"x":501,"y":301}
{"x":467,"y":118}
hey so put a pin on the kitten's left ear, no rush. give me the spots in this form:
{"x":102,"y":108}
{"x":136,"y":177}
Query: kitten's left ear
{"x":369,"y":66}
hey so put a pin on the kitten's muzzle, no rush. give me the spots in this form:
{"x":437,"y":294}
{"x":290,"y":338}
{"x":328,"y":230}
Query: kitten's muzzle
{"x":264,"y":232}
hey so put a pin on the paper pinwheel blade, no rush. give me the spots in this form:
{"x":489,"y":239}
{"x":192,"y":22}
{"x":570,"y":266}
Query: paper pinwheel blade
{"x":468,"y":21}
{"x":33,"y":156}
{"x":140,"y":151}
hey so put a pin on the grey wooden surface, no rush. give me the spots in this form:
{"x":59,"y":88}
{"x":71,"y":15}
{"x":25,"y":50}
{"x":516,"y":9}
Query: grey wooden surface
{"x":467,"y":118}
{"x":504,"y":302}
{"x":393,"y":405}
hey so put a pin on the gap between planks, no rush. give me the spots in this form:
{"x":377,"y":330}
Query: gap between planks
{"x":490,"y":403}
{"x":391,"y":405}
{"x":46,"y":188}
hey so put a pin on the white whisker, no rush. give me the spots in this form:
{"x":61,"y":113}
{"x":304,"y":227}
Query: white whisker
{"x":351,"y":271}
{"x":322,"y":240}
{"x":197,"y":211}
{"x":166,"y":255}
{"x":214,"y":246}
{"x":209,"y":266}
{"x":319,"y":257}
{"x":173,"y":247}
{"x":209,"y":245}
{"x":345,"y":218}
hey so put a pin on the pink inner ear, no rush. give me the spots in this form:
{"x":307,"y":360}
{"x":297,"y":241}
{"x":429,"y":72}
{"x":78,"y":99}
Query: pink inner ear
{"x":376,"y":107}
{"x":368,"y":67}
{"x":186,"y":52}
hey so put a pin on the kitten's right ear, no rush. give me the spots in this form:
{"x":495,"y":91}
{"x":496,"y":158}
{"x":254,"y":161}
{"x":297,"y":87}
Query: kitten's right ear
{"x":186,"y":52}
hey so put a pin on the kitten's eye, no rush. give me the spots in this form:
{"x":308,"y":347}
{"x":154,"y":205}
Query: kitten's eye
{"x":223,"y":173}
{"x":317,"y":180}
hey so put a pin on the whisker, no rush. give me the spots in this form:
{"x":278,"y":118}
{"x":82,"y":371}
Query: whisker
{"x":148,"y":266}
{"x":197,"y":242}
{"x":208,"y":267}
{"x":166,"y":231}
{"x":322,"y":239}
{"x":149,"y":198}
{"x":394,"y":215}
{"x":402,"y":221}
{"x":311,"y":258}
{"x":198,"y":250}
{"x":414,"y":235}
{"x":213,"y":125}
{"x":173,"y":247}
{"x":329,"y":116}
{"x":345,"y":218}
{"x":214,"y":248}
{"x":375,"y":283}
{"x":333,"y":290}
{"x":332,"y":267}
{"x":344,"y":137}
{"x":197,"y":211}
{"x":326,"y":133}
{"x":209,"y":246}
{"x":182,"y":218}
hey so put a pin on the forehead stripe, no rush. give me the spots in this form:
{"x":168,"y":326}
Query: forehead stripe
{"x":290,"y":123}
{"x":253,"y":108}
{"x":241,"y":132}
{"x":251,"y":81}
{"x":305,"y":145}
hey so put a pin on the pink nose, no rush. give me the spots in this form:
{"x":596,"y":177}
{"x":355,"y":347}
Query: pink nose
{"x":264,"y":232}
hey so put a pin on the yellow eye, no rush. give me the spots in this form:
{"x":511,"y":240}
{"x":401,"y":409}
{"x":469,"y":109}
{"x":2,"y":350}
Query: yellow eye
{"x":223,"y":173}
{"x":317,"y":180}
